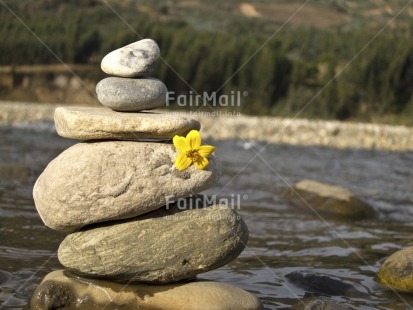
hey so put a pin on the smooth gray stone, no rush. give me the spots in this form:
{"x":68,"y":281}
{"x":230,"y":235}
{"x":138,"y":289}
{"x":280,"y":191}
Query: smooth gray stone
{"x":134,"y":60}
{"x":164,"y":246}
{"x":123,"y":94}
{"x":103,"y":123}
{"x":62,"y":290}
{"x":100,"y":181}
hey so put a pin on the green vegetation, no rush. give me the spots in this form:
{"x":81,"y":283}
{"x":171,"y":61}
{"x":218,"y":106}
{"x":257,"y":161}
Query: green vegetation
{"x":317,"y":70}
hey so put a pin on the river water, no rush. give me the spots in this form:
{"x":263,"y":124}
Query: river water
{"x":291,"y":254}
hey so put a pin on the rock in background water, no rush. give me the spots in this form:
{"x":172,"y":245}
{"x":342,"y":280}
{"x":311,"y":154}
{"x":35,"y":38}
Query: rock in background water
{"x":328,"y":200}
{"x":396,"y":272}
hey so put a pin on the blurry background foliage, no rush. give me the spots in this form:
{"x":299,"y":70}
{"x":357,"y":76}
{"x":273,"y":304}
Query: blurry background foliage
{"x":207,"y":41}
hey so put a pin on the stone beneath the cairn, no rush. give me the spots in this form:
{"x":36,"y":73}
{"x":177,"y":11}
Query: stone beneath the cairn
{"x":129,"y":95}
{"x":103,"y":123}
{"x":163,"y":246}
{"x":134,"y":60}
{"x":61,"y":290}
{"x":99,"y":181}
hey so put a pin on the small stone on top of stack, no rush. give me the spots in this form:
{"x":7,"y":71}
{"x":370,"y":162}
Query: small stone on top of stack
{"x":131,"y":90}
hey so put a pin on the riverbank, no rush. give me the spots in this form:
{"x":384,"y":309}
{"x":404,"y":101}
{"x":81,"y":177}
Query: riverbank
{"x":333,"y":134}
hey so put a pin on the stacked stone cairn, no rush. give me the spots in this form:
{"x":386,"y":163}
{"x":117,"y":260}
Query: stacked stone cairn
{"x":137,"y":234}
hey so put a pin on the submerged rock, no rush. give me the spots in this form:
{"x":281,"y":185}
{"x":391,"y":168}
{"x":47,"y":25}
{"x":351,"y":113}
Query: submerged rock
{"x":61,"y":290}
{"x":327,"y":200}
{"x":100,"y":181}
{"x":103,"y":123}
{"x":319,"y":303}
{"x":133,"y":60}
{"x":324,"y":284}
{"x":396,"y":272}
{"x":166,"y":245}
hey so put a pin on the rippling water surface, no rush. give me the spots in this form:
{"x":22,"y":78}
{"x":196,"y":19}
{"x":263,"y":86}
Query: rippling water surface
{"x":291,"y":254}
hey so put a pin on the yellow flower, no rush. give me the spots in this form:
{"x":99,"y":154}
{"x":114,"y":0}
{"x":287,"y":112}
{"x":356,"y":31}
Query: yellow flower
{"x":191,"y":151}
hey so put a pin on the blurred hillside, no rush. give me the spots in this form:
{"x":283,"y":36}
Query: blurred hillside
{"x":283,"y":53}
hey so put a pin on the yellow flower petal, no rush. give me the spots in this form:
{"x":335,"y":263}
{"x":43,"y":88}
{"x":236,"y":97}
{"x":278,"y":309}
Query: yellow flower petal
{"x":201,"y":162}
{"x":181,"y":144}
{"x":191,"y":151}
{"x":193,"y":138}
{"x":182,"y":161}
{"x":206,"y":150}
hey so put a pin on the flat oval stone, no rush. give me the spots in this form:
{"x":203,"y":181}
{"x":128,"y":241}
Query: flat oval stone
{"x":99,"y":181}
{"x":61,"y":290}
{"x":397,"y":271}
{"x":163,"y":246}
{"x":121,"y":94}
{"x":134,"y":60}
{"x":103,"y":123}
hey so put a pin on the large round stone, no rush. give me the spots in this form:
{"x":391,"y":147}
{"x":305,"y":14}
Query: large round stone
{"x":60,"y":290}
{"x":166,"y":245}
{"x":397,"y":271}
{"x":133,"y":60}
{"x":103,"y":123}
{"x":99,"y":181}
{"x":121,"y":94}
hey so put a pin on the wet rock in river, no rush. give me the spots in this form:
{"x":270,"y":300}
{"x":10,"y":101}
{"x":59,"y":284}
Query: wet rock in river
{"x":326,"y":199}
{"x":396,"y":272}
{"x":324,"y":284}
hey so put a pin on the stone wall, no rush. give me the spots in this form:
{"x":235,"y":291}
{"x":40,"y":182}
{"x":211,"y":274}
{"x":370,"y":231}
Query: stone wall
{"x":267,"y":129}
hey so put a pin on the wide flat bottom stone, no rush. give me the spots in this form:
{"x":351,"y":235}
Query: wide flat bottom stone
{"x":61,"y":290}
{"x":103,"y":123}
